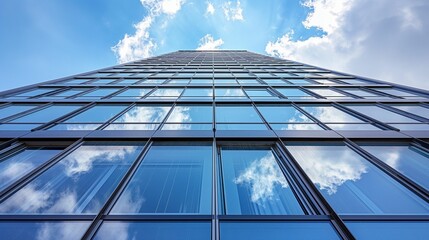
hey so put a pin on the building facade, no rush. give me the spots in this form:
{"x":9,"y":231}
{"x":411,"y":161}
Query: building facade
{"x":214,"y":145}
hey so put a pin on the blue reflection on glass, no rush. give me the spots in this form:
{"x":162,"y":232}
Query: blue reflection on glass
{"x":254,"y":184}
{"x":351,"y":184}
{"x":132,"y":93}
{"x":241,"y":113}
{"x":80,"y":183}
{"x":14,"y":109}
{"x":276,"y":230}
{"x":282,"y":114}
{"x":293,"y":93}
{"x":409,"y":160}
{"x":14,"y":166}
{"x":414,"y":109}
{"x":42,"y":230}
{"x":154,"y":230}
{"x":393,"y":230}
{"x":189,"y":113}
{"x":171,"y":179}
{"x":380,"y":114}
{"x":329,"y":114}
{"x":98,"y":113}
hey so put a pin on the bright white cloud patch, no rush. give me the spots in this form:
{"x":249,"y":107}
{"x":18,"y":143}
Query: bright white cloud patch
{"x":208,"y":43}
{"x":140,"y":44}
{"x":210,"y":9}
{"x":233,"y":12}
{"x":386,"y":40}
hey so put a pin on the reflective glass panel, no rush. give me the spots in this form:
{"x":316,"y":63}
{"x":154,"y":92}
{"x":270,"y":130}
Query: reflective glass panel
{"x":393,"y":230}
{"x":79,"y":183}
{"x":144,"y":113}
{"x":101,"y":92}
{"x":46,"y":230}
{"x":414,"y":109}
{"x":170,"y":179}
{"x":237,"y":113}
{"x":328,"y":93}
{"x":47,"y":114}
{"x":282,"y":114}
{"x":198,"y":92}
{"x":380,"y":114}
{"x":293,"y":93}
{"x":351,"y":184}
{"x":406,"y":159}
{"x":189,"y":113}
{"x":14,"y":109}
{"x":329,"y":114}
{"x":253,"y":184}
{"x":154,"y":230}
{"x":98,"y":113}
{"x":16,"y":165}
{"x":229,"y":92}
{"x":276,"y":230}
{"x":134,"y":93}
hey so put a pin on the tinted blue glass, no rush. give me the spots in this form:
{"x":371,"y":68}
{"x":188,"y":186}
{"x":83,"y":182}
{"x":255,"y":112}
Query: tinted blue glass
{"x":171,"y":179}
{"x":409,"y":160}
{"x":237,"y":114}
{"x":47,"y":114}
{"x":167,"y":93}
{"x":98,"y":113}
{"x":154,"y":230}
{"x":393,"y":230}
{"x":102,"y":92}
{"x":36,"y":92}
{"x":254,"y":184}
{"x":229,"y":92}
{"x":14,"y":166}
{"x":189,"y":113}
{"x":18,"y":126}
{"x":351,"y":184}
{"x":329,"y":114}
{"x":132,"y":93}
{"x":46,"y":230}
{"x":80,"y":183}
{"x":198,"y":92}
{"x":70,"y":92}
{"x":14,"y":109}
{"x":380,"y":114}
{"x":414,"y":109}
{"x":282,"y":114}
{"x":276,"y":230}
{"x":293,"y":93}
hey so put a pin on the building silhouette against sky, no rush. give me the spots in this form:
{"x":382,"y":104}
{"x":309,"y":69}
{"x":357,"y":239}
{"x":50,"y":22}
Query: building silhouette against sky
{"x":214,"y":145}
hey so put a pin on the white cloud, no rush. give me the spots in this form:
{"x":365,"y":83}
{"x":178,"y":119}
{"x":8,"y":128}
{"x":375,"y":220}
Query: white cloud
{"x":233,"y":13}
{"x":208,"y":43}
{"x":140,"y":44}
{"x":386,"y":40}
{"x":210,"y":9}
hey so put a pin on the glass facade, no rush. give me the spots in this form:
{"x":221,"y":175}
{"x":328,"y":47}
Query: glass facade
{"x":214,"y":145}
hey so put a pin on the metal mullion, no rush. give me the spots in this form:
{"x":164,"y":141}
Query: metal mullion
{"x":311,"y":117}
{"x":124,"y":88}
{"x":370,"y":89}
{"x":114,"y":196}
{"x":298,"y":192}
{"x":91,"y":89}
{"x":12,"y":149}
{"x":163,"y":121}
{"x":215,"y":228}
{"x":60,"y":90}
{"x":363,"y":117}
{"x":27,"y":178}
{"x":261,"y":116}
{"x":112,"y":119}
{"x":399,"y":177}
{"x":315,"y":194}
{"x":402,"y":112}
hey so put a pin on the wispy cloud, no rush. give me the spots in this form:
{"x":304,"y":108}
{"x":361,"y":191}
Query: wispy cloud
{"x":208,"y":43}
{"x":141,"y":44}
{"x":233,"y":12}
{"x":384,"y":48}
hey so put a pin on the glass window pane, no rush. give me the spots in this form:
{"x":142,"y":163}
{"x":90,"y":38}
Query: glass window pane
{"x":101,"y":92}
{"x":189,"y":113}
{"x":328,"y":93}
{"x":293,"y":93}
{"x":144,"y":113}
{"x":276,"y":230}
{"x":14,"y":109}
{"x":198,"y":92}
{"x":16,"y":165}
{"x":351,"y":184}
{"x":380,"y":114}
{"x":47,"y":114}
{"x":171,"y":179}
{"x":154,"y":230}
{"x":46,"y":230}
{"x":134,"y":93}
{"x":98,"y":113}
{"x":392,"y":230}
{"x":254,"y":184}
{"x":166,"y":93}
{"x":282,"y":114}
{"x":237,"y":114}
{"x":34,"y":92}
{"x":408,"y":160}
{"x":329,"y":114}
{"x":80,"y":183}
{"x":414,"y":109}
{"x":229,"y":92}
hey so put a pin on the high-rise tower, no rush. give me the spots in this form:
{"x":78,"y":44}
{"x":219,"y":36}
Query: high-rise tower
{"x":214,"y":145}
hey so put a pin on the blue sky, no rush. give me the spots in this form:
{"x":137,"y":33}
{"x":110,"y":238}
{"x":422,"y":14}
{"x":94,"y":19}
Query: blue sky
{"x":46,"y":39}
